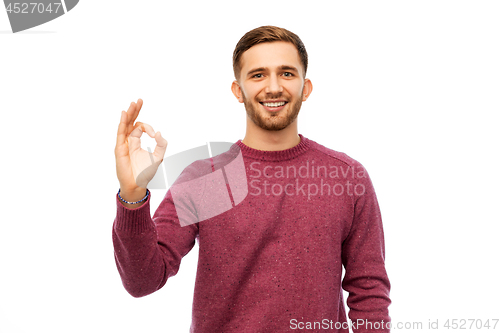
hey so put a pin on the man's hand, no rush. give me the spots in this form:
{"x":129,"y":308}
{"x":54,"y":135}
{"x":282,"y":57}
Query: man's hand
{"x":135,"y":167}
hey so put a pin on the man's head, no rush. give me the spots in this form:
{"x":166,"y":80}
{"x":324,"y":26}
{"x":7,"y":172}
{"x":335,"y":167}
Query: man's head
{"x":267,"y":34}
{"x":269,"y":65}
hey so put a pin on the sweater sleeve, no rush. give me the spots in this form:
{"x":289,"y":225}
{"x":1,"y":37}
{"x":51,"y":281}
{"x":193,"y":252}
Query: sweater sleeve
{"x":149,"y":250}
{"x":363,"y":256}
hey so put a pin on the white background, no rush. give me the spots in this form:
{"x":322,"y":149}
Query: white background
{"x":408,"y":88}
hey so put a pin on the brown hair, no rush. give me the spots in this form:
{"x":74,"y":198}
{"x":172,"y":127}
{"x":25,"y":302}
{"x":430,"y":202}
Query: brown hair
{"x":266,"y":34}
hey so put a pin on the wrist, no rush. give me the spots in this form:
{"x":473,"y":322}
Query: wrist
{"x":132,"y":192}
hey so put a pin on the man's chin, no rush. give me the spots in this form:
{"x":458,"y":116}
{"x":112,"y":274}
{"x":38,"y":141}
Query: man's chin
{"x":270,"y":125}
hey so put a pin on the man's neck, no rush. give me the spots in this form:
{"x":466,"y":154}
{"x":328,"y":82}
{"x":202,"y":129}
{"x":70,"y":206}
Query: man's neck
{"x":258,"y":138}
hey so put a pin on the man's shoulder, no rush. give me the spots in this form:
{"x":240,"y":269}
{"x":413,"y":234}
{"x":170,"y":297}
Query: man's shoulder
{"x":202,"y":167}
{"x":333,"y":155}
{"x":194,"y":170}
{"x":341,"y":164}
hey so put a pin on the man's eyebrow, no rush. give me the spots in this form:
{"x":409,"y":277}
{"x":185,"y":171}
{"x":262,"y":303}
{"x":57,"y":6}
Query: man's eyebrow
{"x":260,"y":69}
{"x":288,"y":68}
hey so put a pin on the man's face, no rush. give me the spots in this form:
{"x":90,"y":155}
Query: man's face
{"x":272,"y":84}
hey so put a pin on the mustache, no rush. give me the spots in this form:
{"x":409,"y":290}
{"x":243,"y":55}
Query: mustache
{"x":274,"y":96}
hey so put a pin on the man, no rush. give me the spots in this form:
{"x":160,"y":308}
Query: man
{"x":273,"y":262}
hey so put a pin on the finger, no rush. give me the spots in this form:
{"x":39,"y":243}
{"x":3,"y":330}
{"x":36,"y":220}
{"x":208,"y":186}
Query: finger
{"x":134,"y":139}
{"x":137,"y":109}
{"x":122,"y":129}
{"x":143,"y":128}
{"x":130,"y":114}
{"x":161,"y":146}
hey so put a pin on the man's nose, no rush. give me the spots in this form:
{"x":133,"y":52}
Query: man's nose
{"x":274,"y":85}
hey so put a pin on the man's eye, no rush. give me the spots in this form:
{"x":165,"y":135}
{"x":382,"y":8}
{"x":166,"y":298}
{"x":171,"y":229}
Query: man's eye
{"x":288,"y":74}
{"x":257,"y":76}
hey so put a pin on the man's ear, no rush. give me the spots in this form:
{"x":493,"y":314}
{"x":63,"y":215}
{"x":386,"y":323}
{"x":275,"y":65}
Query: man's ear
{"x":236,"y":89}
{"x":308,"y":87}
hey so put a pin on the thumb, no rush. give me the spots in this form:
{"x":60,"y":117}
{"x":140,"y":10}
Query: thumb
{"x":161,"y":146}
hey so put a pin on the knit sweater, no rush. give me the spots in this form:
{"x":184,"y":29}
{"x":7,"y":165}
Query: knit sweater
{"x":273,"y":262}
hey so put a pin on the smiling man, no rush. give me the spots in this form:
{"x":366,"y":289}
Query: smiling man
{"x":273,"y":262}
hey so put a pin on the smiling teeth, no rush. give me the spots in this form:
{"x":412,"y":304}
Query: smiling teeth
{"x":273,"y":105}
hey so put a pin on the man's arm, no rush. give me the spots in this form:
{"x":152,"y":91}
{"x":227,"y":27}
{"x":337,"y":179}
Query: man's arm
{"x":363,"y":256}
{"x":149,"y":250}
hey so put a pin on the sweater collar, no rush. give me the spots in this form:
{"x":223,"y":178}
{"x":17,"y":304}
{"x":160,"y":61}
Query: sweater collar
{"x":276,"y":155}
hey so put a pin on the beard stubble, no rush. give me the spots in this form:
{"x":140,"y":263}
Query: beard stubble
{"x":272,"y":121}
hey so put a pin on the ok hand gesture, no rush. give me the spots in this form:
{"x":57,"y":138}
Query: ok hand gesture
{"x":135,"y":167}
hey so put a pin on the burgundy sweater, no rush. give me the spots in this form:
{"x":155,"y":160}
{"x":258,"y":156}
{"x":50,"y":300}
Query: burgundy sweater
{"x":273,"y":262}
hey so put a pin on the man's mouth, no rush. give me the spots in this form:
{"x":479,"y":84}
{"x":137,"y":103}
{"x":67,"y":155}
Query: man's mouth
{"x":273,"y":106}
